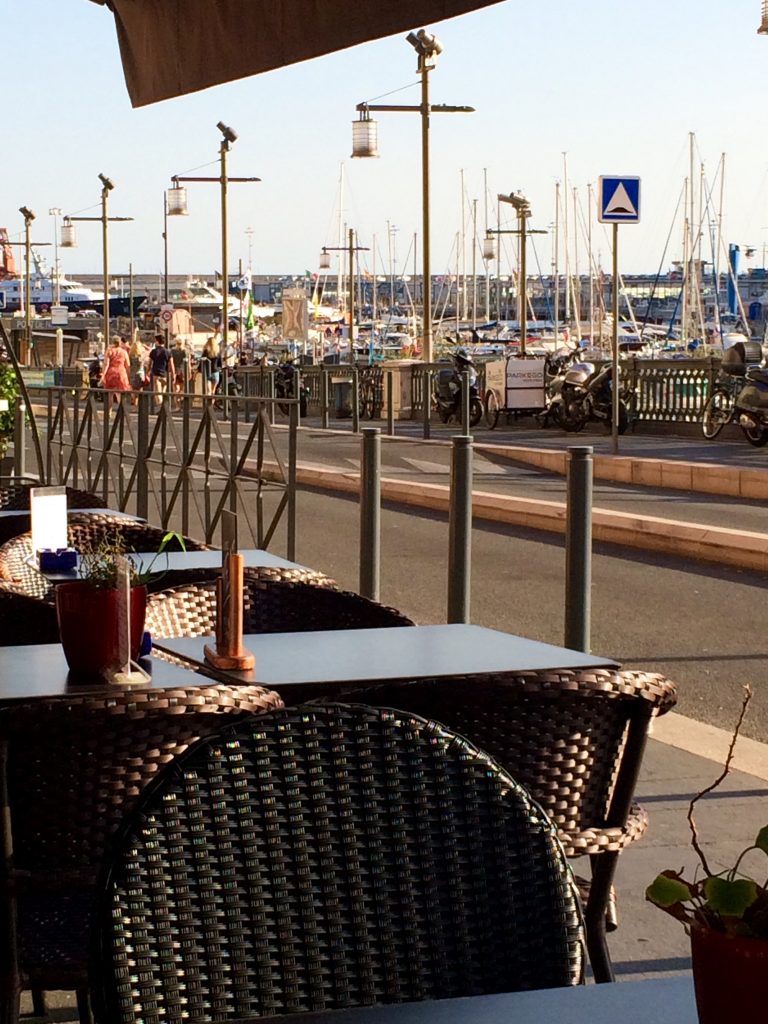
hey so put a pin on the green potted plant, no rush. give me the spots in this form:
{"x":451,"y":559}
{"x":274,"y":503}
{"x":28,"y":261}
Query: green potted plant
{"x":9,"y":393}
{"x":726,"y":915}
{"x":88,"y":608}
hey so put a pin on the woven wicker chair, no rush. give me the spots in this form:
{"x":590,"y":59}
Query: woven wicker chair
{"x":575,"y":740}
{"x":17,"y":564}
{"x":25,"y":619}
{"x":72,"y":768}
{"x":15,"y":498}
{"x":270,"y":606}
{"x":326,"y":857}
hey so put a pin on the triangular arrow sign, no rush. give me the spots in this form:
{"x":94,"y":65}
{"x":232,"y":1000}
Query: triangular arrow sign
{"x":620,"y":202}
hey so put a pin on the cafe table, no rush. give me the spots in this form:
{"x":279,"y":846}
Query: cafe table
{"x":40,"y":672}
{"x":180,"y":561}
{"x":656,"y":1001}
{"x":331,"y":659}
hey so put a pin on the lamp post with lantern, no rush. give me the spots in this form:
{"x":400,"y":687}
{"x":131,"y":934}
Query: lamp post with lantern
{"x":176,"y":204}
{"x":325,"y":264}
{"x":365,"y":144}
{"x":69,"y":241}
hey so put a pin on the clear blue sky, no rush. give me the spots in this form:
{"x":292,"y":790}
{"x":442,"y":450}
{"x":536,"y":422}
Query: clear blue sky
{"x":617,"y":86}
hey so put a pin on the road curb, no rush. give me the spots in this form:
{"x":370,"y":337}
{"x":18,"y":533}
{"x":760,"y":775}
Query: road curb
{"x":749,"y":756}
{"x":713,"y":544}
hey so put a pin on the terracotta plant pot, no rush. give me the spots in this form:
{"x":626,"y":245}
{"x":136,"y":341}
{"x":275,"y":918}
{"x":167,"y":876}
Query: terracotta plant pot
{"x":730,"y":975}
{"x":88,"y":625}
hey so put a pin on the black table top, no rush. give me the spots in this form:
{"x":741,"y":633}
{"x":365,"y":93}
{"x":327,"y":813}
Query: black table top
{"x":39,"y":671}
{"x":394,"y":654}
{"x":657,"y":1001}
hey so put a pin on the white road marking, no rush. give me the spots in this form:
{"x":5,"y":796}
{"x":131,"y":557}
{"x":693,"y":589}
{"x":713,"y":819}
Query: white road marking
{"x":710,"y":742}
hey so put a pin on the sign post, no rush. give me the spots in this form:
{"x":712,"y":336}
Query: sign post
{"x":618,"y":203}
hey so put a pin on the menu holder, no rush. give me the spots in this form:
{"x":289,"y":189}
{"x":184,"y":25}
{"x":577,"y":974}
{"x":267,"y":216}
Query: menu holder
{"x":129,"y":673}
{"x":228,"y":651}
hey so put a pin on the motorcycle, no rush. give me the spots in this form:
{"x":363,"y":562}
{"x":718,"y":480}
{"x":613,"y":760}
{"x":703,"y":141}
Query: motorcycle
{"x":580,"y":392}
{"x":447,"y":393}
{"x":285,"y":387}
{"x":740,"y":393}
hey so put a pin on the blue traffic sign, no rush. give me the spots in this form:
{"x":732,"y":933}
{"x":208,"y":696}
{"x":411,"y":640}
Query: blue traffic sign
{"x":618,"y":200}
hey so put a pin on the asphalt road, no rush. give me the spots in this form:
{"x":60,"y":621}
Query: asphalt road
{"x":701,"y":625}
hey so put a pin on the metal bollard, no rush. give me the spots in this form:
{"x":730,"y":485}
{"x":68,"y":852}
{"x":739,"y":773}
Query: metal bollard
{"x":578,"y":550}
{"x":324,"y":398}
{"x":460,"y":531}
{"x":355,"y":401}
{"x":370,"y":513}
{"x":427,"y":400}
{"x":390,"y":403}
{"x":20,"y":440}
{"x":465,"y":402}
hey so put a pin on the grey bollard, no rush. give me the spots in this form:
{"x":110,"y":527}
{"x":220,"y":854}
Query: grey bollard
{"x":324,"y":397}
{"x":427,"y":396}
{"x":355,"y":401}
{"x":578,"y":550}
{"x":460,"y":531}
{"x":465,"y":403}
{"x":370,"y":513}
{"x":20,"y":440}
{"x":390,"y":403}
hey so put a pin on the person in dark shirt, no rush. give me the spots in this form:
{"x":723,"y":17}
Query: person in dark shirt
{"x":160,"y":368}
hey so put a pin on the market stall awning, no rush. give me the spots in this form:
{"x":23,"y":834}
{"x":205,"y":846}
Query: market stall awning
{"x":173,"y":47}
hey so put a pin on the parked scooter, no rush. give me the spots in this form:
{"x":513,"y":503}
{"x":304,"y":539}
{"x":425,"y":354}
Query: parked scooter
{"x":740,"y":394}
{"x":580,"y":392}
{"x":447,"y":393}
{"x":286,"y":376}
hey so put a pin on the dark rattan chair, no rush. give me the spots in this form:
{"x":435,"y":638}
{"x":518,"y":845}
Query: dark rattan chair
{"x":25,"y":619}
{"x":72,"y":769}
{"x":575,"y":740}
{"x":324,"y":857}
{"x":17,"y":564}
{"x":270,"y":606}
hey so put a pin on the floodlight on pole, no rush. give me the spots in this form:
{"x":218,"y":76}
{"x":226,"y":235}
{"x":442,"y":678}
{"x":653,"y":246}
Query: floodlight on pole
{"x":325,"y":264}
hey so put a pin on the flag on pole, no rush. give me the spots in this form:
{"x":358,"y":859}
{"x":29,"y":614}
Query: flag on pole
{"x":244,"y":282}
{"x":249,"y":320}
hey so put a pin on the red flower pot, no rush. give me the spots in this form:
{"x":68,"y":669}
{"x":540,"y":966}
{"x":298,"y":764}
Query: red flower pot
{"x":88,"y":625}
{"x":730,"y":975}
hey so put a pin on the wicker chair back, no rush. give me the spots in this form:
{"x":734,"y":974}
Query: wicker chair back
{"x":71,"y":769}
{"x":324,"y":857}
{"x":270,"y":606}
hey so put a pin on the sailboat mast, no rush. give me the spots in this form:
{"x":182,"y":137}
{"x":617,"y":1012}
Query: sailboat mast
{"x":340,"y":242}
{"x":375,"y":287}
{"x":556,"y":262}
{"x":589,"y":252}
{"x":474,"y":264}
{"x":463,"y":252}
{"x":565,"y":239}
{"x":576,"y":276}
{"x":487,"y":262}
{"x":686,"y":270}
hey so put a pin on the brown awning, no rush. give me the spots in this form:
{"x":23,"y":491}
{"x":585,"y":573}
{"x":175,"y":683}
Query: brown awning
{"x":173,"y":47}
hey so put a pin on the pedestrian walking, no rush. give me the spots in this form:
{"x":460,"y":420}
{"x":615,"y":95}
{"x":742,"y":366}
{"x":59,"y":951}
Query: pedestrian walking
{"x":137,"y":360}
{"x":114,"y":376}
{"x":210,"y":364}
{"x":160,"y":368}
{"x":180,"y":361}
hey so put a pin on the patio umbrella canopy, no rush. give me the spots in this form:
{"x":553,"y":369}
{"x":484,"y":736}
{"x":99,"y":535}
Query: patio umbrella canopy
{"x":173,"y":47}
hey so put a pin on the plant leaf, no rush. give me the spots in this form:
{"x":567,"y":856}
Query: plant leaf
{"x":728,"y":898}
{"x":762,"y":839}
{"x":667,"y":889}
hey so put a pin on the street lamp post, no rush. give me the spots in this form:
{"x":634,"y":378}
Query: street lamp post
{"x":179,"y":206}
{"x":325,"y":264}
{"x":28,"y":216}
{"x":365,"y":144}
{"x":55,"y":212}
{"x":68,"y":241}
{"x":523,"y":209}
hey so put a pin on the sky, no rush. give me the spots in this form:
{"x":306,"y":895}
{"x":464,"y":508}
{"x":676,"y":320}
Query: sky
{"x":616,"y":87}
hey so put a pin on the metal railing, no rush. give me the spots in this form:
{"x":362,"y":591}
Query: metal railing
{"x":179,"y":459}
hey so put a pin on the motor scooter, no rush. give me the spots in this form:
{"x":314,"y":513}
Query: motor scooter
{"x":580,"y":392}
{"x":447,"y":391}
